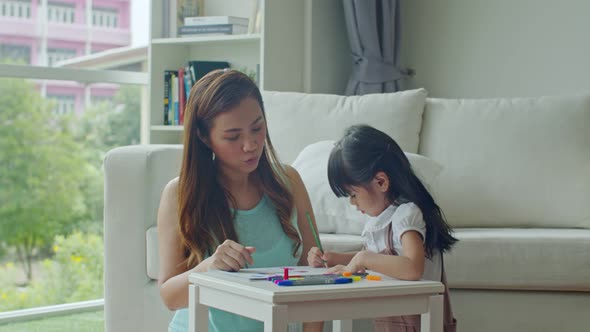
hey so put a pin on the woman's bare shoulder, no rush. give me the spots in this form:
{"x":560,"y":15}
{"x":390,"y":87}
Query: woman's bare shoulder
{"x":172,"y":186}
{"x":294,"y":179}
{"x":168,"y":211}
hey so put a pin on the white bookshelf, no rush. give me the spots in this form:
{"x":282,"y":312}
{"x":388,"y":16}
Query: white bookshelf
{"x":287,"y":49}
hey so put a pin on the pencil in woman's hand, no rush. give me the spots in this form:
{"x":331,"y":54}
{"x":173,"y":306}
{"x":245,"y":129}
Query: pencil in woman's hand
{"x":316,"y":237}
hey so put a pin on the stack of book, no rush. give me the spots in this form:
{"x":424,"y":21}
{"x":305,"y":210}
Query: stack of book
{"x":213,"y":25}
{"x":178,"y":84}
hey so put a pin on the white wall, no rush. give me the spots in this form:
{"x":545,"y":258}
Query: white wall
{"x":492,"y":48}
{"x":328,"y":62}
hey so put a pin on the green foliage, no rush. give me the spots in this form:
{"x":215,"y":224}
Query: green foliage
{"x":105,"y":125}
{"x":84,"y":321}
{"x":74,"y":274}
{"x":40,"y":172}
{"x":102,"y":127}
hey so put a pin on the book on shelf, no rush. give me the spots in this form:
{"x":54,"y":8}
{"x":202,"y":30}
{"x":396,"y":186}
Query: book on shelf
{"x":181,"y":96}
{"x":213,"y":20}
{"x":212,"y":29}
{"x":177,"y":86}
{"x":168,"y":74}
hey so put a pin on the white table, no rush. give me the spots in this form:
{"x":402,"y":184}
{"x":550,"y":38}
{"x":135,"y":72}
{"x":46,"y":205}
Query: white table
{"x":276,"y":305}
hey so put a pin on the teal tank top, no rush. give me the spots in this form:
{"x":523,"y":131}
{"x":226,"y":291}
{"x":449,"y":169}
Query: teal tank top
{"x":273,"y":248}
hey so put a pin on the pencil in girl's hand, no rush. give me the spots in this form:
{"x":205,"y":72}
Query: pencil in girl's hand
{"x":315,"y":235}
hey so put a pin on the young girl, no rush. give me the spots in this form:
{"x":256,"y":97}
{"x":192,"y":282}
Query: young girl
{"x":234,"y":204}
{"x":406,"y":234}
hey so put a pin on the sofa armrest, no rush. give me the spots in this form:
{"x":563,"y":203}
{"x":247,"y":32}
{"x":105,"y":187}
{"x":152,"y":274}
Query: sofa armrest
{"x":134,"y":179}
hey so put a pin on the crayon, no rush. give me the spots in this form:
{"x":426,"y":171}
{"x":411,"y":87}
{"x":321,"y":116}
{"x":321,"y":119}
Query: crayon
{"x":315,"y":235}
{"x":314,"y":281}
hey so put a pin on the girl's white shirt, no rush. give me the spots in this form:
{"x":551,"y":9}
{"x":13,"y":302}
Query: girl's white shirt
{"x":403,"y":218}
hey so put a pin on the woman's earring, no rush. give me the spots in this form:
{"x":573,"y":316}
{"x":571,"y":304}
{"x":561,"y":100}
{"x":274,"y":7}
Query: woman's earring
{"x":212,"y":155}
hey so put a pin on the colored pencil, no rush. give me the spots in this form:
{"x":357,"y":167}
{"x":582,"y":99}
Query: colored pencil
{"x":316,"y":237}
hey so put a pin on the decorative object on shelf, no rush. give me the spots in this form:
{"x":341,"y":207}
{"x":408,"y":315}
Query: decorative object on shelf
{"x":174,"y":12}
{"x":255,"y":25}
{"x":252,"y":74}
{"x":188,"y":8}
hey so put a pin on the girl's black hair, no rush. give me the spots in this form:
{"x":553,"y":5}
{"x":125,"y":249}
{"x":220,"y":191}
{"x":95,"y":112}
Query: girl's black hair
{"x":364,"y":151}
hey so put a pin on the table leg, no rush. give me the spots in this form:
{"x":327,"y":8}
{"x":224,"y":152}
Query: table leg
{"x":432,"y":321}
{"x":344,"y":325}
{"x":276,"y":320}
{"x":198,"y":316}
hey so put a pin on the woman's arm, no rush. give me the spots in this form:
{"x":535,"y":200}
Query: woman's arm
{"x":303,"y":205}
{"x":173,"y":275}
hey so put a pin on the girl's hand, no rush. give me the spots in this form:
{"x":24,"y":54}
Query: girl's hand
{"x":231,"y":256}
{"x":315,"y":257}
{"x":337,"y":269}
{"x":357,"y":264}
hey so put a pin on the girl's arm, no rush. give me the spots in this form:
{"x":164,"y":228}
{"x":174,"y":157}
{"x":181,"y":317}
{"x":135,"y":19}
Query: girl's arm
{"x":173,"y":274}
{"x":316,"y":258}
{"x":409,"y":266}
{"x":339,"y":258}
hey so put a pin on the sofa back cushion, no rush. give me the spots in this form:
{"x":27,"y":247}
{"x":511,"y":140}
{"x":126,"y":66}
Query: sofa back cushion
{"x":511,"y":162}
{"x":298,"y":119}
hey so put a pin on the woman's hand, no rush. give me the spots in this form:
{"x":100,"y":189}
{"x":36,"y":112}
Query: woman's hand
{"x":315,"y":257}
{"x":230,"y":256}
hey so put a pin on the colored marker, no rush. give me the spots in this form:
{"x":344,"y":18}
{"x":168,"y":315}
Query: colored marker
{"x":314,"y":281}
{"x":315,"y":235}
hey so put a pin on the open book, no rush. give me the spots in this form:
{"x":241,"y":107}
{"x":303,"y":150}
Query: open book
{"x":263,"y":273}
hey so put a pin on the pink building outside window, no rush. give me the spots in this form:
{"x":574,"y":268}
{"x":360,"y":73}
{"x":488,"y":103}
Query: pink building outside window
{"x":68,"y":34}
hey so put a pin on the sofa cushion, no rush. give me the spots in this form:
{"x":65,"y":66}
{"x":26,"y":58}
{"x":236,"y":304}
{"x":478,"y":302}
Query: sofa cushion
{"x":503,"y":258}
{"x":336,"y":215}
{"x":151,"y":241}
{"x":511,"y":162}
{"x":341,"y":242}
{"x":298,"y":119}
{"x":523,"y":259}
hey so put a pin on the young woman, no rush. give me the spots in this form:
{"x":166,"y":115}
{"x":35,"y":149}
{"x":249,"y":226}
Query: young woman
{"x":234,"y":204}
{"x":406,"y":233}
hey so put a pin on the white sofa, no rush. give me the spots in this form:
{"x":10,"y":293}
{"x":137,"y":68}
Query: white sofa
{"x":515,"y":184}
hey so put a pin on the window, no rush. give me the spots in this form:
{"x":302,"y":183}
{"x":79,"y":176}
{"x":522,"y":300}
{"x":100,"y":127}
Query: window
{"x":15,"y":8}
{"x":63,"y":104}
{"x":105,"y":17}
{"x":19,"y":54}
{"x":62,"y":109}
{"x":60,"y":13}
{"x":59,"y":54}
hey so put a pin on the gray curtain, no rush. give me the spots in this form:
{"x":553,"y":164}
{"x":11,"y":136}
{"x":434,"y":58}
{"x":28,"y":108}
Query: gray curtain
{"x":373,"y":36}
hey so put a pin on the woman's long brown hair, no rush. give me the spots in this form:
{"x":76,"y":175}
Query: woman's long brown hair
{"x":204,"y":205}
